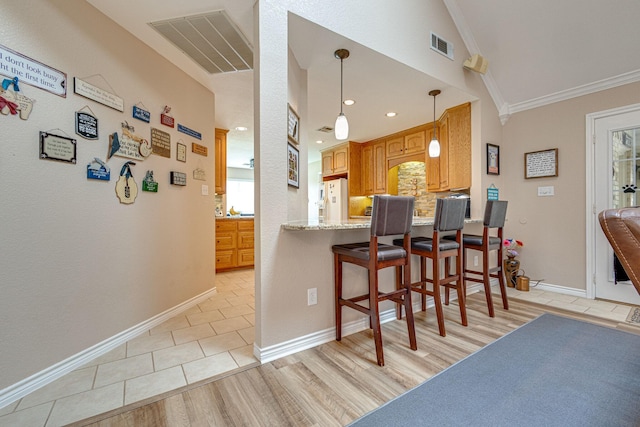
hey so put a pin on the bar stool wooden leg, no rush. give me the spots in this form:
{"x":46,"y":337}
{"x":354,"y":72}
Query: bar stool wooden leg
{"x":374,"y":315}
{"x":338,"y":294}
{"x":462,"y":298}
{"x":423,"y":282}
{"x":408,"y":309}
{"x":486,"y":281}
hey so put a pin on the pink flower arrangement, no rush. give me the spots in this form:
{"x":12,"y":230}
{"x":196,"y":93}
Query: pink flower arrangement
{"x":512,"y":246}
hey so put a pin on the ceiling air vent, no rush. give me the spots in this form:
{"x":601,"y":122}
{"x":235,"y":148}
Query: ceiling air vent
{"x":326,"y":129}
{"x":211,"y":39}
{"x":441,"y":46}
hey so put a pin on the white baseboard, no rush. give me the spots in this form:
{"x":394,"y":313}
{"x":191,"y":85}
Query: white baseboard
{"x":52,"y":373}
{"x":582,"y":293}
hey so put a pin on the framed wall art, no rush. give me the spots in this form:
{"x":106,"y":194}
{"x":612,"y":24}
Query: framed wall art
{"x":493,"y":159}
{"x":293,"y":166}
{"x":293,"y":129}
{"x":540,"y":164}
{"x":181,"y":152}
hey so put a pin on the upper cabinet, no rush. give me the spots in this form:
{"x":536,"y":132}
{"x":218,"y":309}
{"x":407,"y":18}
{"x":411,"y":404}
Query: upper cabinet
{"x":374,"y":168}
{"x":335,"y":161}
{"x":221,"y":161}
{"x":452,"y":170}
{"x":404,"y":145}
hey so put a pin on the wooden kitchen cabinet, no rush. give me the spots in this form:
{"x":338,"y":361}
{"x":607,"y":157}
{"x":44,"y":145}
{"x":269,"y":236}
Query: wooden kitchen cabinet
{"x":452,"y":170}
{"x":405,"y":145}
{"x":374,"y":168}
{"x":335,"y":161}
{"x":221,"y":161}
{"x":234,"y":243}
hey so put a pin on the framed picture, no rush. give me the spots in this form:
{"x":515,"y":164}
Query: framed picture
{"x":181,"y":153}
{"x":493,"y":159}
{"x":540,"y":164}
{"x":293,"y":166}
{"x":293,"y":129}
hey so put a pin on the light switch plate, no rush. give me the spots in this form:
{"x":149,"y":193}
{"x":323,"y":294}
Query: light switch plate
{"x":205,"y":190}
{"x":545,"y":191}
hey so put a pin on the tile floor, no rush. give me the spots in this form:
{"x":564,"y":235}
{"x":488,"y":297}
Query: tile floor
{"x":209,"y":339}
{"x":213,"y":337}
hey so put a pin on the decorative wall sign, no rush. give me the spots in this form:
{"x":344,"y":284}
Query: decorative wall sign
{"x":56,"y":147}
{"x":141,"y":114}
{"x":86,"y":125}
{"x":98,"y":169}
{"x":161,"y":143}
{"x":199,"y":174}
{"x":148,"y":183}
{"x":189,"y":132}
{"x":94,"y":93}
{"x":12,"y":102}
{"x":32,"y":72}
{"x":165,"y":118}
{"x":538,"y":164}
{"x":178,"y":178}
{"x":293,"y":166}
{"x":126,"y":187}
{"x":492,"y":192}
{"x":181,"y":153}
{"x":293,"y":126}
{"x":199,"y":149}
{"x":129,"y":145}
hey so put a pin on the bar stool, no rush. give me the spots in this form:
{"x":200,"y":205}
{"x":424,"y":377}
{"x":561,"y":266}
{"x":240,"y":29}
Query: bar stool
{"x":495,"y":213}
{"x":391,"y":215}
{"x":449,"y":217}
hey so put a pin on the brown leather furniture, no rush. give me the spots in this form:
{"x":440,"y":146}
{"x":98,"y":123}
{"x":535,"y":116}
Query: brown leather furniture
{"x":622,"y":228}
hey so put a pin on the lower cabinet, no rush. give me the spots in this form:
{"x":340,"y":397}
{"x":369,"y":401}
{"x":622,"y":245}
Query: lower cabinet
{"x":234,"y":243}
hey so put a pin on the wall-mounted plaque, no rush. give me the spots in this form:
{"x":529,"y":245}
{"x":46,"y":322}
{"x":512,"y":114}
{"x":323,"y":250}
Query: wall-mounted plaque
{"x":199,"y":149}
{"x":140,"y":114}
{"x":539,"y":164}
{"x":33,"y":73}
{"x":190,"y":132}
{"x":161,"y":143}
{"x":94,"y":93}
{"x":56,"y":147}
{"x":98,"y":169}
{"x":178,"y":178}
{"x":148,"y":183}
{"x":199,"y":174}
{"x":86,"y":125}
{"x":181,"y":152}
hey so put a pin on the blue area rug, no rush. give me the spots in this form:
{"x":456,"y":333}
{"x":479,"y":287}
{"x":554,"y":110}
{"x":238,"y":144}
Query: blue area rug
{"x":553,"y":371}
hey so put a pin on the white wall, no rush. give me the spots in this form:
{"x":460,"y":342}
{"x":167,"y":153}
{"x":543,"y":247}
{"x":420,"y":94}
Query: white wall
{"x":76,"y":266}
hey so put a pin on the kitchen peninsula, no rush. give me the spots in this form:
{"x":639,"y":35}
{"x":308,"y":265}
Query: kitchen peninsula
{"x":354,"y":224}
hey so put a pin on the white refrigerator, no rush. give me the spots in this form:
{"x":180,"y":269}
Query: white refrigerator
{"x":336,"y":200}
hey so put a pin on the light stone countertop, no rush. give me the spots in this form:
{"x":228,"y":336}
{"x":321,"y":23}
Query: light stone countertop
{"x":354,"y":224}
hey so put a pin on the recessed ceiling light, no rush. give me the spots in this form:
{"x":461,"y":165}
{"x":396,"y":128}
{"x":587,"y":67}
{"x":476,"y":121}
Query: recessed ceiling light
{"x":391,"y":114}
{"x":349,"y":102}
{"x":319,"y":141}
{"x":241,"y":128}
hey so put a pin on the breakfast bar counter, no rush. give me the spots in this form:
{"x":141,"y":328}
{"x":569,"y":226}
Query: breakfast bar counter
{"x":354,"y":224}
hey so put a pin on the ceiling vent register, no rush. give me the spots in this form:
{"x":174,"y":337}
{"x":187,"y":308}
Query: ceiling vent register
{"x":211,"y":40}
{"x":441,"y":46}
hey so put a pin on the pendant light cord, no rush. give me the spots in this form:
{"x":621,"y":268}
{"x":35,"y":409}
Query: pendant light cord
{"x":341,"y":95}
{"x":435,"y":128}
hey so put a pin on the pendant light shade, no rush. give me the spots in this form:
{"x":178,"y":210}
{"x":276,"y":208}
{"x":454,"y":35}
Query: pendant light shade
{"x":342,"y":125}
{"x":434,"y":145}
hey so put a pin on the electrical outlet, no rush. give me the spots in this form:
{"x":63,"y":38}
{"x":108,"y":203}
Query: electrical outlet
{"x":312,"y":296}
{"x":475,"y":261}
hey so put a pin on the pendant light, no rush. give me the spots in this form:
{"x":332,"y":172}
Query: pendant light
{"x":434,"y":145}
{"x":342,"y":125}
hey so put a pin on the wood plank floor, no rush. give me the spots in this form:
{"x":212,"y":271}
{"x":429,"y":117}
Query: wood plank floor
{"x":334,"y":383}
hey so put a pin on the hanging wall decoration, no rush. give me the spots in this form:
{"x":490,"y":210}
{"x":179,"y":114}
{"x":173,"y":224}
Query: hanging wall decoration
{"x":57,"y":147}
{"x":165,"y":118}
{"x":12,"y":102}
{"x":140,"y":112}
{"x":98,"y":169}
{"x":199,"y":174}
{"x":129,"y":144}
{"x":94,"y":93}
{"x":148,"y":183}
{"x":32,"y":72}
{"x":161,"y":143}
{"x":199,"y":149}
{"x":492,"y":192}
{"x":190,"y":132}
{"x":86,"y":123}
{"x":178,"y":178}
{"x":126,"y":187}
{"x":181,"y":152}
